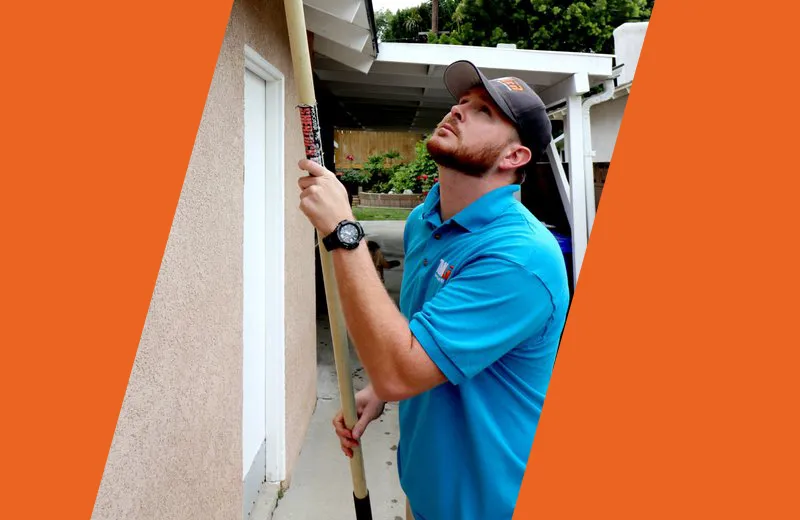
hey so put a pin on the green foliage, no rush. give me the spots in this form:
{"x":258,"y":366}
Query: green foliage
{"x":558,"y":25}
{"x":403,"y":179}
{"x":406,"y":24}
{"x":354,"y":176}
{"x":378,"y":171}
{"x":418,"y":175}
{"x":386,"y":172}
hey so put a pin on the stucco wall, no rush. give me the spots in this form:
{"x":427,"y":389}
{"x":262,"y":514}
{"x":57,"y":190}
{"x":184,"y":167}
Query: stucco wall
{"x":176,"y":452}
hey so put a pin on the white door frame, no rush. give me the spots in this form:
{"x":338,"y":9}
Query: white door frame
{"x":274,"y":199}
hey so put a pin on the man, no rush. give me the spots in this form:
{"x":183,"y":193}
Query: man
{"x":483,"y":302}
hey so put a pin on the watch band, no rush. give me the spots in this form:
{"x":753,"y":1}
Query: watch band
{"x":331,"y":241}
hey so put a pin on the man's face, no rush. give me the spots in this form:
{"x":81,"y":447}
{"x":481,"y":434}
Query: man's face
{"x":473,"y":136}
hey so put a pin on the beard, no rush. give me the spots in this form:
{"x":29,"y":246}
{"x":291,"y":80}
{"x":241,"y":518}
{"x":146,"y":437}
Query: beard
{"x":472,"y":162}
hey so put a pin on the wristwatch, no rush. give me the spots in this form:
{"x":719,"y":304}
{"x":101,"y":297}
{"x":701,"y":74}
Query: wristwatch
{"x":347,"y":235}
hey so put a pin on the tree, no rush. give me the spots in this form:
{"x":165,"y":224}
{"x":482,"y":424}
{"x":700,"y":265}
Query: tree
{"x":558,"y":25}
{"x":383,"y":20}
{"x":405,"y":25}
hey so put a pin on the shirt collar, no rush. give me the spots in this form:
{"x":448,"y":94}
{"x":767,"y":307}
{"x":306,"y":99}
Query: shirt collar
{"x":476,"y":215}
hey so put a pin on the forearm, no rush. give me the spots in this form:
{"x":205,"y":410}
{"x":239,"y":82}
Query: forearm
{"x":378,"y":329}
{"x":397,"y":365}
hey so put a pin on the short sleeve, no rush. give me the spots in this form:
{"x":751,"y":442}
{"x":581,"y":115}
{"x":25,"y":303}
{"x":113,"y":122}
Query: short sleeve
{"x":481,"y":313}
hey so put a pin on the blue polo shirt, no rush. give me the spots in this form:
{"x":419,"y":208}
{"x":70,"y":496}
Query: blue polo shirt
{"x":486,"y":296}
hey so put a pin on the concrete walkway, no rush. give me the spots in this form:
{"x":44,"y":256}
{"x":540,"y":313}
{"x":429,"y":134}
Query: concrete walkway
{"x":322,"y":486}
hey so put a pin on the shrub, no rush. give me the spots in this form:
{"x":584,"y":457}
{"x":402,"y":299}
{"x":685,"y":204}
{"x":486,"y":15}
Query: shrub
{"x":404,"y":179}
{"x":418,"y":175}
{"x":380,"y":169}
{"x":354,"y":176}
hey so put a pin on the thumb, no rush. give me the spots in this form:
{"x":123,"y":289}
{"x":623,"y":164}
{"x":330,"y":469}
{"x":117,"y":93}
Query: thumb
{"x":360,"y":426}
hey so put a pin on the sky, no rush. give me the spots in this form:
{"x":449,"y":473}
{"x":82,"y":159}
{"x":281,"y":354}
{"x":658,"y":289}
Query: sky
{"x":394,"y":5}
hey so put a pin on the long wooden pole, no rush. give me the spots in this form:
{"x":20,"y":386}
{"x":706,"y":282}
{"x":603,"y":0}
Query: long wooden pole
{"x":301,"y":58}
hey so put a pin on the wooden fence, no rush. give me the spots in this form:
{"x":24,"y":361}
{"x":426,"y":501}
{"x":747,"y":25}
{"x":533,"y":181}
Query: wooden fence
{"x":361,"y":144}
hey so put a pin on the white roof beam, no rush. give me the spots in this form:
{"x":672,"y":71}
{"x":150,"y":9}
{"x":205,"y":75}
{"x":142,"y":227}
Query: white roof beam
{"x":387,"y":96}
{"x":360,"y":18}
{"x":429,"y":73}
{"x":393,"y":101}
{"x":498,"y":58}
{"x":576,"y":84}
{"x":343,"y":9}
{"x":355,"y":59}
{"x":333,"y":28}
{"x":388,"y":80}
{"x":412,"y":69}
{"x":355,"y":90}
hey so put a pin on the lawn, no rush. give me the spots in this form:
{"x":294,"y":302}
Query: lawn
{"x":380,"y":213}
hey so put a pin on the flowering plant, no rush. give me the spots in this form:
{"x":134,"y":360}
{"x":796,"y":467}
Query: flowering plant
{"x":427,"y":181}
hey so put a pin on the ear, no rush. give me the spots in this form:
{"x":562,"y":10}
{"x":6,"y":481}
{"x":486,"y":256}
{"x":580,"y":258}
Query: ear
{"x":516,"y":157}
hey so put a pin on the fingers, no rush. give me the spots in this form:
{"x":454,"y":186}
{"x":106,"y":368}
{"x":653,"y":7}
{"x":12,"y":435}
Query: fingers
{"x":306,"y":182}
{"x":313,"y":168}
{"x":310,"y":190}
{"x":345,"y":435}
{"x":339,"y":426}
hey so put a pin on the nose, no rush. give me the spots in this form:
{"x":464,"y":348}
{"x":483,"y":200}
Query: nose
{"x":457,"y":113}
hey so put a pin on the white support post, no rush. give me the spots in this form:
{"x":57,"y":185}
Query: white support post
{"x":608,"y":93}
{"x":588,"y":171}
{"x":561,"y":178}
{"x":577,"y":181}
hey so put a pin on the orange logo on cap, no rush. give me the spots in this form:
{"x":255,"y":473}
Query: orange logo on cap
{"x":511,"y":83}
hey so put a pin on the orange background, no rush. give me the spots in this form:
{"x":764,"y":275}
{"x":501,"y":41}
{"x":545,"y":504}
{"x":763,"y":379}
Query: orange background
{"x":100,"y":105}
{"x":675,"y":391}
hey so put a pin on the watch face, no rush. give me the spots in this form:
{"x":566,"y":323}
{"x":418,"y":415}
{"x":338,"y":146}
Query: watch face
{"x":348,"y":234}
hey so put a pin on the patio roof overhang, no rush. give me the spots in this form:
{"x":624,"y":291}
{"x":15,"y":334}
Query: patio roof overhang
{"x":398,"y":86}
{"x":343,"y":30}
{"x":403,"y":88}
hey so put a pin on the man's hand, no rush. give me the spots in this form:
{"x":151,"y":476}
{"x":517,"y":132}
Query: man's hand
{"x":368,"y":408}
{"x":323,"y":198}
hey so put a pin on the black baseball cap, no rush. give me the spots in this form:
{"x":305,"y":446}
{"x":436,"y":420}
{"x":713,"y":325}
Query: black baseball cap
{"x":513,"y":97}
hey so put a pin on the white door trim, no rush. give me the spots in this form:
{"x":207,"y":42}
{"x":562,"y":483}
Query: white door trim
{"x":275,"y":319}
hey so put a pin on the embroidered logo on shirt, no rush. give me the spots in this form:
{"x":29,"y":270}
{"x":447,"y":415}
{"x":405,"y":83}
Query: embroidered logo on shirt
{"x":444,"y":271}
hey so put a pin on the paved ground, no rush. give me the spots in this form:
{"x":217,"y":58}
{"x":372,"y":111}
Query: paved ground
{"x":322,"y":485}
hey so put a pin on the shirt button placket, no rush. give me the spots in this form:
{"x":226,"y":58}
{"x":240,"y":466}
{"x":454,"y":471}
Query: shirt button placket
{"x":437,"y":236}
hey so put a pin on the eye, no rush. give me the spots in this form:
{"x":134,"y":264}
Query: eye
{"x":486,"y":110}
